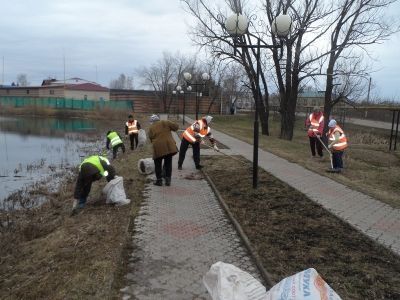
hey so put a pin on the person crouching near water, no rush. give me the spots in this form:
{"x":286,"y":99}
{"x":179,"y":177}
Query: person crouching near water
{"x":91,"y":169}
{"x":164,"y":147}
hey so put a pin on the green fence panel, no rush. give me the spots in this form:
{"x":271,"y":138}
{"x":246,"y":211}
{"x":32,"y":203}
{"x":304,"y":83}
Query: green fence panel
{"x":64,"y":103}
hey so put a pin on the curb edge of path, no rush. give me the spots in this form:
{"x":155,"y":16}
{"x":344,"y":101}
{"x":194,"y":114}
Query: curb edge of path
{"x":266,"y":276}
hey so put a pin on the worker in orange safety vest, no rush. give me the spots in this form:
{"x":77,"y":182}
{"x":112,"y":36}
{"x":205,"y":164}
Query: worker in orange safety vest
{"x":337,"y":144}
{"x":132,"y":127}
{"x":315,"y":125}
{"x":194,"y":135}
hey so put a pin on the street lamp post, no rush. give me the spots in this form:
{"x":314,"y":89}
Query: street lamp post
{"x":237,"y":25}
{"x":185,"y":92}
{"x":205,"y":77}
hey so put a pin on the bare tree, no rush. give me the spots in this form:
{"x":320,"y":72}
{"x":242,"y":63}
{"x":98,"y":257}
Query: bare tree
{"x":358,"y":23}
{"x":164,"y":75}
{"x":22,"y":80}
{"x":123,"y":82}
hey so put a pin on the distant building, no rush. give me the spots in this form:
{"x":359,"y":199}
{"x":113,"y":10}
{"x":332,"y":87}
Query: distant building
{"x":73,"y":88}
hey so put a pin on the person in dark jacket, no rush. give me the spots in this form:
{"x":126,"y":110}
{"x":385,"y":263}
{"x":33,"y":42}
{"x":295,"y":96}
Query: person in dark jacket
{"x":132,"y":128}
{"x":116,"y":142}
{"x":164,"y":147}
{"x":91,"y":169}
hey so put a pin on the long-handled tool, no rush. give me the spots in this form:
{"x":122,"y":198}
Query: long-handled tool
{"x":230,"y":156}
{"x":327,"y":149}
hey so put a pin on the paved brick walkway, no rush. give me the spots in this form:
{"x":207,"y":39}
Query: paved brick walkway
{"x":372,"y":217}
{"x":180,"y":232}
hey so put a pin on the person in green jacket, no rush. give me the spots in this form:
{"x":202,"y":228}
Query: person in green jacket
{"x":116,"y":142}
{"x":91,"y":169}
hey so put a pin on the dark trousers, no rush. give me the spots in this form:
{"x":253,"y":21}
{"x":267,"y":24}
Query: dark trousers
{"x":134,"y":137}
{"x":337,"y":160}
{"x":167,"y":166}
{"x":115,"y":149}
{"x":314,"y":142}
{"x":182,"y":152}
{"x":82,"y":188}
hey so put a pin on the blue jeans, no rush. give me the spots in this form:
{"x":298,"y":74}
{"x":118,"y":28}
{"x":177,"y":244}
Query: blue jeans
{"x":337,"y":160}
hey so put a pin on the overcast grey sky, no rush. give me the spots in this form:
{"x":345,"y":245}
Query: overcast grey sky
{"x":118,"y":36}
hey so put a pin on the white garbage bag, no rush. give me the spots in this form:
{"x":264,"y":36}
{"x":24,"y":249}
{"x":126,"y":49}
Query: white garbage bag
{"x":227,"y":282}
{"x":146,"y":166}
{"x":307,"y":284}
{"x":115,"y":192}
{"x":141,"y":138}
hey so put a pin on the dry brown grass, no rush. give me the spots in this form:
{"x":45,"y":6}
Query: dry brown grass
{"x":369,"y":167}
{"x":46,"y":254}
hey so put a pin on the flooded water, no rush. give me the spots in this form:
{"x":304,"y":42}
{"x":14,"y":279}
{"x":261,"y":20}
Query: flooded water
{"x":34,"y":149}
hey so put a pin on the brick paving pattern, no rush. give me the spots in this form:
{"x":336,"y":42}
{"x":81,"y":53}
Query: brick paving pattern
{"x":377,"y":220}
{"x":180,"y":232}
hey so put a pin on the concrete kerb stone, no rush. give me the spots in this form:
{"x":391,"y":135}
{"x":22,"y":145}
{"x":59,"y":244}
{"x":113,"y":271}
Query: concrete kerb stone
{"x":265,"y":275}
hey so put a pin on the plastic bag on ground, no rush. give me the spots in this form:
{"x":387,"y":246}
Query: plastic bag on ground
{"x":146,"y":166}
{"x":141,"y":138}
{"x":307,"y":284}
{"x":115,"y":192}
{"x":227,"y":282}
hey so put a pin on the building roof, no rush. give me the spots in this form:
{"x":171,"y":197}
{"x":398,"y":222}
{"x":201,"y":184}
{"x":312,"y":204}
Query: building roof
{"x":86,"y":87}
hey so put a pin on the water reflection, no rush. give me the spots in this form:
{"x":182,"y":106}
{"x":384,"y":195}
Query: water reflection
{"x":32,"y":149}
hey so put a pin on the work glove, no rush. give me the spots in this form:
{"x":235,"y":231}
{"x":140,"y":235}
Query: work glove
{"x":216,"y":148}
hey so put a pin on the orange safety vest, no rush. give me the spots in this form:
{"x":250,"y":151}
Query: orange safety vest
{"x":189,"y":133}
{"x":342,"y":144}
{"x":315,"y":122}
{"x":132,"y":127}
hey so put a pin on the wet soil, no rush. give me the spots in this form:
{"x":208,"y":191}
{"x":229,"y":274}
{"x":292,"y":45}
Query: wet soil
{"x":291,"y":233}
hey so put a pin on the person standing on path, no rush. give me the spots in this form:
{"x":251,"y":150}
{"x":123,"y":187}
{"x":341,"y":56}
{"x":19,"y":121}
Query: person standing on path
{"x":194,"y":135}
{"x":164,"y":147}
{"x":91,"y":169}
{"x":132,"y":127}
{"x":315,"y":125}
{"x":116,"y":142}
{"x":337,"y":144}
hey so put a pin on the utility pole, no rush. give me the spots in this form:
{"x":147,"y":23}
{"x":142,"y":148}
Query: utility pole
{"x":2,"y":76}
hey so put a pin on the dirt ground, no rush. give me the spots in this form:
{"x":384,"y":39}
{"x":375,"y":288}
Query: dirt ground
{"x":47,"y":254}
{"x":291,"y":233}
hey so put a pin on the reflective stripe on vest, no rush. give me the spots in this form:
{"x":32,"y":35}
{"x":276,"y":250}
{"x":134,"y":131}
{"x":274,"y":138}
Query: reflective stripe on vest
{"x":189,"y":133}
{"x":95,"y":161}
{"x":342,"y":144}
{"x":132,"y":127}
{"x":114,"y":138}
{"x":314,"y":122}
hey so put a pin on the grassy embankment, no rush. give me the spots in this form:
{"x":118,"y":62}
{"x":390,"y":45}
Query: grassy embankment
{"x":46,"y":254}
{"x":369,"y":167}
{"x":291,"y":233}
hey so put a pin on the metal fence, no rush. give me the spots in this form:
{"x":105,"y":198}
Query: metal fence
{"x":63,"y":103}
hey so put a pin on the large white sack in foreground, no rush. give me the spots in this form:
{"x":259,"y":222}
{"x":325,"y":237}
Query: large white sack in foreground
{"x":115,"y":192}
{"x":141,"y":138}
{"x":305,"y":285}
{"x":146,"y":166}
{"x":227,"y":282}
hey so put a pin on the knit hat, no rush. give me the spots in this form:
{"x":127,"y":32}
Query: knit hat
{"x":154,"y":118}
{"x":208,"y":119}
{"x":332,"y":123}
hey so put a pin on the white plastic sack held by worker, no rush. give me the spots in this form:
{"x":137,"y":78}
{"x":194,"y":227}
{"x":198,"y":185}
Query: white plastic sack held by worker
{"x":142,"y":138}
{"x":115,"y":192}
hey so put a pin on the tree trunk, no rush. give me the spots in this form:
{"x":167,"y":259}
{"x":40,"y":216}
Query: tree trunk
{"x":264,"y":117}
